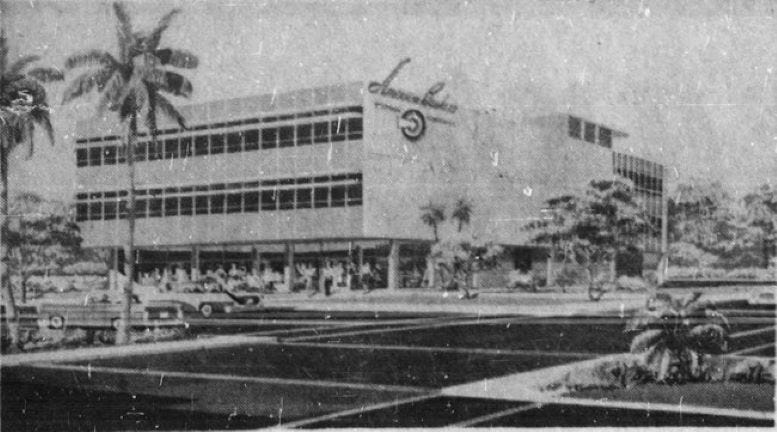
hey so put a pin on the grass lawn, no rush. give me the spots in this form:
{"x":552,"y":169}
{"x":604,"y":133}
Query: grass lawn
{"x":758,"y":397}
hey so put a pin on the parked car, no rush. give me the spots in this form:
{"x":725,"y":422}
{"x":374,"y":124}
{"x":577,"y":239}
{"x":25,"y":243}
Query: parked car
{"x":205,"y":296}
{"x":764,"y":296}
{"x":105,"y":314}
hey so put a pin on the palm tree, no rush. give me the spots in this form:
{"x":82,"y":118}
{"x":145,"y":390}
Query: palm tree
{"x":462,"y":213}
{"x":433,"y":215}
{"x":133,"y":84}
{"x":23,"y":105}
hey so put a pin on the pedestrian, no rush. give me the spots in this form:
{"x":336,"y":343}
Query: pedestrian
{"x":367,"y":277}
{"x":328,"y":272}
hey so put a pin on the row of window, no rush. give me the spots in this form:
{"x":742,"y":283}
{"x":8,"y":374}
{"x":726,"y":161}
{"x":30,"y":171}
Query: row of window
{"x":342,"y":129}
{"x":591,"y":132}
{"x":240,"y":122}
{"x":204,"y":200}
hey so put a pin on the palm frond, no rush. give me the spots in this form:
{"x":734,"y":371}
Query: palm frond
{"x":156,"y":34}
{"x":645,"y":340}
{"x":3,"y":52}
{"x":42,"y":118}
{"x":177,"y":84}
{"x":44,"y":74}
{"x":84,"y":83}
{"x":150,"y":119}
{"x":167,"y":108}
{"x":177,"y":58}
{"x":125,"y":23}
{"x":90,"y":58}
{"x":19,"y":65}
{"x":109,"y":98}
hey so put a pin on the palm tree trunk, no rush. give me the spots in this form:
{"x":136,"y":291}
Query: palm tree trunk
{"x":123,"y":334}
{"x":12,"y":318}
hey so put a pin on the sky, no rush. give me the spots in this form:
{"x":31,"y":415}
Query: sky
{"x":691,"y":82}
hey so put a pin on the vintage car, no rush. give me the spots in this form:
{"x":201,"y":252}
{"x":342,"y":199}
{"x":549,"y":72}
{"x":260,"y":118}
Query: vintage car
{"x":104,"y":313}
{"x":204,"y":296}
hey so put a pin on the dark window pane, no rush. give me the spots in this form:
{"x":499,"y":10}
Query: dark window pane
{"x":605,"y":137}
{"x":269,"y":138}
{"x":95,"y":210}
{"x":338,"y":130}
{"x":171,"y":206}
{"x":186,"y":206}
{"x":234,"y":203}
{"x":186,"y":147}
{"x":216,"y":144}
{"x":109,"y":155}
{"x":355,"y":128}
{"x":82,"y":212}
{"x":355,"y":194}
{"x":250,"y":201}
{"x":304,"y":197}
{"x":286,"y":136}
{"x":269,"y":200}
{"x":95,"y":156}
{"x":338,"y":196}
{"x":82,"y":157}
{"x":171,"y":149}
{"x":109,"y":210}
{"x":121,"y":154}
{"x":140,"y":151}
{"x":155,"y":207}
{"x":201,"y":204}
{"x":304,"y":134}
{"x":286,"y":199}
{"x":321,"y":197}
{"x":123,"y":209}
{"x":234,"y":142}
{"x":590,"y":132}
{"x":217,"y":204}
{"x":201,"y":145}
{"x":575,"y":127}
{"x":321,"y":132}
{"x":140,"y":208}
{"x":252,"y":140}
{"x":155,"y":150}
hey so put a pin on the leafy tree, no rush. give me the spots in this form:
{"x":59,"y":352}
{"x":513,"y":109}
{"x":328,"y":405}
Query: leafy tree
{"x":433,"y":215}
{"x":760,"y":214}
{"x":675,"y":333}
{"x":23,"y":106}
{"x":460,"y":256}
{"x":42,"y":237}
{"x":462,"y":213}
{"x":133,"y":84}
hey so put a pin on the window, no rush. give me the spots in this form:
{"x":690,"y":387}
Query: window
{"x":234,"y":142}
{"x":355,"y":194}
{"x":140,"y":208}
{"x":251,"y":201}
{"x":338,"y":196}
{"x":338,"y":130}
{"x":269,"y":200}
{"x":201,"y":204}
{"x":140,"y":151}
{"x":171,"y":206}
{"x":304,"y":198}
{"x":171,"y":149}
{"x":121,"y":154}
{"x":217,"y":204}
{"x":269,"y":138}
{"x":82,"y":212}
{"x":95,"y":156}
{"x":286,"y":136}
{"x":286,"y":199}
{"x":82,"y":157}
{"x":234,"y":203}
{"x":123,"y":209}
{"x":590,"y":132}
{"x":355,"y":128}
{"x":155,"y":150}
{"x":216,"y":144}
{"x":186,"y":147}
{"x":321,"y":132}
{"x":187,"y":206}
{"x":95,"y":210}
{"x":304,"y":134}
{"x":201,"y":145}
{"x":155,"y":207}
{"x":252,"y":140}
{"x":605,"y":137}
{"x":109,"y":155}
{"x":109,"y":210}
{"x":321,"y":197}
{"x":575,"y":127}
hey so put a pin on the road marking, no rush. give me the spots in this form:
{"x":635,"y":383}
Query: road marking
{"x":250,"y":322}
{"x":475,"y":420}
{"x":741,"y":334}
{"x":752,"y":349}
{"x":360,"y":410}
{"x":220,"y":377}
{"x":486,"y":351}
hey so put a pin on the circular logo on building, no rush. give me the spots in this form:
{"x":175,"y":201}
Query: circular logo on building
{"x":412,"y":124}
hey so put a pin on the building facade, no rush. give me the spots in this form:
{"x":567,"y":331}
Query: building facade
{"x":339,"y":171}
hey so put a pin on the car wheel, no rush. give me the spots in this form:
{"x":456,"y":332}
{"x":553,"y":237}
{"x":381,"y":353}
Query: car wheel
{"x":56,"y":322}
{"x":206,"y":310}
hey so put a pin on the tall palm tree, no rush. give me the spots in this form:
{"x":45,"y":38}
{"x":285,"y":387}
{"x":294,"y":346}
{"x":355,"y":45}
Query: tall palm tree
{"x":23,"y":106}
{"x":462,"y":213}
{"x":133,"y":85}
{"x":433,"y":215}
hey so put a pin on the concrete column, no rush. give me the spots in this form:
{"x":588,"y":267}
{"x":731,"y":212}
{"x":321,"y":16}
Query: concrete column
{"x":114,"y":282}
{"x":289,"y":271}
{"x":393,"y":265}
{"x":256,"y":258}
{"x":359,"y":270}
{"x":195,"y":263}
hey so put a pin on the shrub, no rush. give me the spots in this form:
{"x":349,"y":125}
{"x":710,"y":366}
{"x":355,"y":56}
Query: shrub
{"x":751,"y":273}
{"x":632,"y":283}
{"x":86,"y":268}
{"x":571,"y":275}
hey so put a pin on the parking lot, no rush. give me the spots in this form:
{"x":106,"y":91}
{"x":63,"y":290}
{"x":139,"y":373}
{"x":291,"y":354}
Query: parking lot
{"x":353,"y":369}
